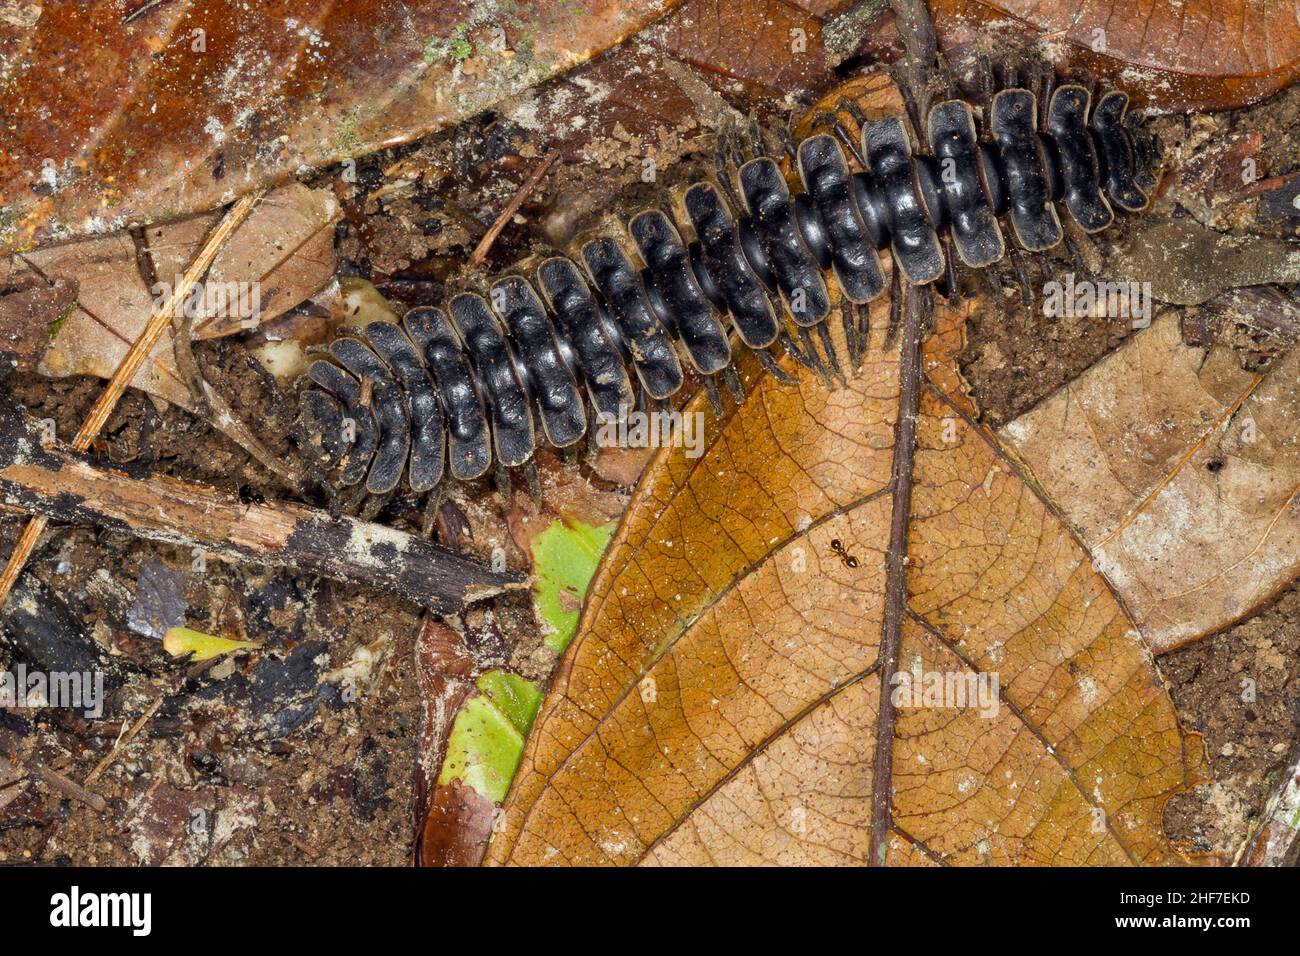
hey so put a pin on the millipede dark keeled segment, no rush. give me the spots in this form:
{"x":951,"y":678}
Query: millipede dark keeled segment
{"x":488,"y":378}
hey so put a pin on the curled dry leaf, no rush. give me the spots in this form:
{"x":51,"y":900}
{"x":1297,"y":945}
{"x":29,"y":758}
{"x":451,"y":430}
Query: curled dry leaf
{"x":281,"y":255}
{"x":720,"y":702}
{"x":1216,"y":54}
{"x":1186,"y":264}
{"x":283,"y":88}
{"x":1180,"y":472}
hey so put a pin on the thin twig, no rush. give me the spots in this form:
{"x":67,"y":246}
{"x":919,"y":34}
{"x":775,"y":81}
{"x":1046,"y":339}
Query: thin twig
{"x":915,"y":301}
{"x":485,"y":244}
{"x":122,"y":743}
{"x":210,"y":402}
{"x":159,"y":322}
{"x":921,"y":47}
{"x":69,"y":788}
{"x":69,"y":486}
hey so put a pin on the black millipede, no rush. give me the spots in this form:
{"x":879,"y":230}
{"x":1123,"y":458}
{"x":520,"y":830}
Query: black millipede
{"x":488,"y":379}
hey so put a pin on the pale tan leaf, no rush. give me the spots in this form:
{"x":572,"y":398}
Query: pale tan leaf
{"x":284,"y":251}
{"x":1180,"y":471}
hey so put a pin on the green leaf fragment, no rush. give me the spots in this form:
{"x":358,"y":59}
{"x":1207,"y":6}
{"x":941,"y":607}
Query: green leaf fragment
{"x":565,"y":557}
{"x":516,"y":698}
{"x":487,"y":738}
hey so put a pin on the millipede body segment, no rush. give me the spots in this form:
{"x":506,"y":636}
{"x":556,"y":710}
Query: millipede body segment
{"x":452,"y":391}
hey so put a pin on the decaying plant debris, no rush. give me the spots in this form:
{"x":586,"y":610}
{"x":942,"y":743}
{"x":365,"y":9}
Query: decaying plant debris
{"x":327,"y":741}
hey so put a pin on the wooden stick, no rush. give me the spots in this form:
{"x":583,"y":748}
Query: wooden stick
{"x":159,"y":322}
{"x":485,"y":244}
{"x":69,"y":788}
{"x":60,"y":483}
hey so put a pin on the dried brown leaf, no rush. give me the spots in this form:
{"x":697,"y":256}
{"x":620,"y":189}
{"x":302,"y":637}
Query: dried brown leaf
{"x":285,"y":247}
{"x":1180,"y":472}
{"x":190,"y":104}
{"x":1211,"y":54}
{"x":719,"y":704}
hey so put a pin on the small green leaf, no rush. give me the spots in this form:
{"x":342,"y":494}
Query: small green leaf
{"x":565,"y":557}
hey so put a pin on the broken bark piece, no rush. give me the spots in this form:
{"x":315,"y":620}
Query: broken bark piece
{"x":58,"y":483}
{"x":37,"y":628}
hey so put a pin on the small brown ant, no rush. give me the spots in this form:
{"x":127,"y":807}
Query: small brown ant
{"x":848,"y":560}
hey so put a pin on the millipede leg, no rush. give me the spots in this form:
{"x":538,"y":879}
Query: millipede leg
{"x":732,"y":379}
{"x":985,"y":83}
{"x":766,"y":360}
{"x":846,"y":138}
{"x":851,"y":336}
{"x":1022,"y":278}
{"x":946,"y":74}
{"x":950,"y":271}
{"x":913,"y":113}
{"x":591,"y":443}
{"x":792,"y":349}
{"x":349,"y":503}
{"x":501,"y":477}
{"x":824,"y":334}
{"x":854,"y":111}
{"x":864,"y":331}
{"x":715,"y":400}
{"x":810,"y":349}
{"x":756,"y":145}
{"x":534,"y":481}
{"x":723,"y":170}
{"x":895,"y":307}
{"x":788,"y":145}
{"x":1076,"y":253}
{"x":431,"y":505}
{"x":374,"y":504}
